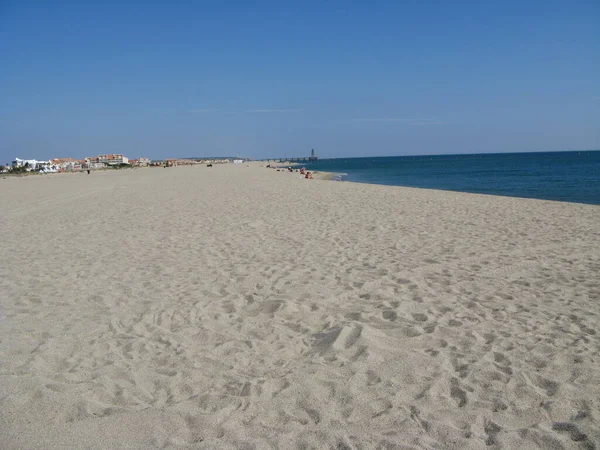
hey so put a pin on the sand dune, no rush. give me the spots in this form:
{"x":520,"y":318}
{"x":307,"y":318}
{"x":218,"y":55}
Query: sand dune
{"x":240,"y":307}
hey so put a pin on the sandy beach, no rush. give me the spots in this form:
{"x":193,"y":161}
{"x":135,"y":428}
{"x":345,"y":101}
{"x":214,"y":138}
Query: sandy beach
{"x":244,"y":308}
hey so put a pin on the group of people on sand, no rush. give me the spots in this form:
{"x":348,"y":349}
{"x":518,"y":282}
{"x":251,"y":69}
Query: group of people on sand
{"x":305,"y":173}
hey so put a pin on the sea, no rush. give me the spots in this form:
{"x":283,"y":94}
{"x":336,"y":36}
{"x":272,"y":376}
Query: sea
{"x":572,"y":176}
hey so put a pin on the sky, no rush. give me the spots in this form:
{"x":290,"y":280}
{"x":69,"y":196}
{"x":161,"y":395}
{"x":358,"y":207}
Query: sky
{"x":278,"y":78}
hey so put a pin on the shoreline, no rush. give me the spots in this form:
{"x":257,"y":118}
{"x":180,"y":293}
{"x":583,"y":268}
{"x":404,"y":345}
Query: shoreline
{"x":331,"y":176}
{"x":282,"y":167}
{"x":558,"y":176}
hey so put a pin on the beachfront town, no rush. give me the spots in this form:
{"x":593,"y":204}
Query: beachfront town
{"x":99,"y":162}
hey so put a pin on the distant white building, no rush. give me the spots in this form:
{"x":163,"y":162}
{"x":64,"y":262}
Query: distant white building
{"x":140,"y":162}
{"x":32,"y":164}
{"x":67,"y":164}
{"x":96,"y":165}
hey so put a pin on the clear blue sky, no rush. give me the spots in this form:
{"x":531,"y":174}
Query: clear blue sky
{"x":277,"y":78}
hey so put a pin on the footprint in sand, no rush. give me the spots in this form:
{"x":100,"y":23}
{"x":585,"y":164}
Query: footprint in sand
{"x":337,"y":339}
{"x":575,"y":433}
{"x":270,"y":307}
{"x":458,"y":393}
{"x":419,"y":317}
{"x":389,"y":315}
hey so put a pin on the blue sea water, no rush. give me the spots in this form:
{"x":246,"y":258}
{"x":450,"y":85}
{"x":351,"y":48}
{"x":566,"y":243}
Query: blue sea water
{"x":562,"y":176}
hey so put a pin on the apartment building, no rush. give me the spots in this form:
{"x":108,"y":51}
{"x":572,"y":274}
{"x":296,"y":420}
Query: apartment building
{"x":113,"y":159}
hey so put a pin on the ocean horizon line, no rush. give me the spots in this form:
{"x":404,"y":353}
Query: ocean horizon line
{"x":440,"y":154}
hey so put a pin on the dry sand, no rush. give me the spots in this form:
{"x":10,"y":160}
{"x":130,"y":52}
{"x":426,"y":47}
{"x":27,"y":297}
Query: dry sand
{"x":239,"y":307}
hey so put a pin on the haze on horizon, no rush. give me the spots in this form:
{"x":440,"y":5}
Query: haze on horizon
{"x":271,"y":79}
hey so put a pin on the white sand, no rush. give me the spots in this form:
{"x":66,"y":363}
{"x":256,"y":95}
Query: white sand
{"x":239,"y":307}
